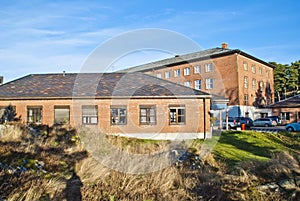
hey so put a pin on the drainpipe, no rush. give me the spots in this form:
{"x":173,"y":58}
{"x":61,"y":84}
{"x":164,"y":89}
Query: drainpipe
{"x":204,"y":104}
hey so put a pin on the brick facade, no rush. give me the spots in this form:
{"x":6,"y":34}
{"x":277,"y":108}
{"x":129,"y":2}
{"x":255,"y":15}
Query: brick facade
{"x":246,"y":89}
{"x":194,"y":114}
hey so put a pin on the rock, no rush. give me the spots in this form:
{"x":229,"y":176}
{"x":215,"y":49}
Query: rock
{"x":270,"y":186}
{"x":287,"y":184}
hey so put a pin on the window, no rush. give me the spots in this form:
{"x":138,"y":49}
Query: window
{"x":89,"y":114}
{"x":246,"y":100}
{"x":245,"y":65}
{"x":177,"y":73}
{"x":260,"y":70}
{"x":167,"y":74}
{"x":187,"y":84}
{"x":245,"y":82}
{"x":208,"y":67}
{"x":198,"y":84}
{"x":285,"y":116}
{"x":261,"y":86}
{"x":197,"y":69}
{"x":209,"y":83}
{"x":147,"y":114}
{"x":267,"y":73}
{"x":158,"y":75}
{"x":62,"y":114}
{"x":254,"y":84}
{"x":118,"y":115}
{"x":177,"y":114}
{"x":187,"y":71}
{"x":253,"y":69}
{"x":34,"y":115}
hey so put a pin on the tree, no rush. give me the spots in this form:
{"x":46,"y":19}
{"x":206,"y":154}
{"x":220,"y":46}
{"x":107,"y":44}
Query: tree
{"x":292,"y":81}
{"x":296,"y":67}
{"x":280,"y":79}
{"x":9,"y":114}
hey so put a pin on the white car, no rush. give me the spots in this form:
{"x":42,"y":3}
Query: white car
{"x":266,"y":122}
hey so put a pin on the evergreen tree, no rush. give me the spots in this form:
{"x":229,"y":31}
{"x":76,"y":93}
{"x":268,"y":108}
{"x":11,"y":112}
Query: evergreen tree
{"x":296,"y":66}
{"x":280,"y":80}
{"x":9,"y":114}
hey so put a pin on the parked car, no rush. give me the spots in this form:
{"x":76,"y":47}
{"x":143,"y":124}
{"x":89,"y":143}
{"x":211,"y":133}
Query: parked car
{"x":234,"y":122}
{"x":293,"y":127}
{"x":264,"y":122}
{"x":275,"y":118}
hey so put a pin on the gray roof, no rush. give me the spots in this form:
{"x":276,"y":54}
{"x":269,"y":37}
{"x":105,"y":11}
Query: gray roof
{"x":196,"y":56}
{"x":292,"y":102}
{"x":97,"y":85}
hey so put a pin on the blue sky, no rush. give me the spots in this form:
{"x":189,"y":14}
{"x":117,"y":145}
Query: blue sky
{"x":52,"y":36}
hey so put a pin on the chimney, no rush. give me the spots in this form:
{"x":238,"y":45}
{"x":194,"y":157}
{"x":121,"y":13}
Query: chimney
{"x":64,"y":73}
{"x":224,"y":45}
{"x":1,"y":80}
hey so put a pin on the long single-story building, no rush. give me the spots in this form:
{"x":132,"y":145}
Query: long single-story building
{"x":133,"y":104}
{"x":288,"y":109}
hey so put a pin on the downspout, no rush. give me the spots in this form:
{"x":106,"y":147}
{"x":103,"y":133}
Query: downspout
{"x":238,"y":79}
{"x":204,"y":104}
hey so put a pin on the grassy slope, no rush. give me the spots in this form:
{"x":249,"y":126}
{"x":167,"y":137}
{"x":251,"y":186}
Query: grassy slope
{"x":236,"y":146}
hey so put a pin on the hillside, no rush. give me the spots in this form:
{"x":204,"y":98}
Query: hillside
{"x":52,"y":164}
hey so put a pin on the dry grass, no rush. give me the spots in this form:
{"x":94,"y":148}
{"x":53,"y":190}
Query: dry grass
{"x":140,"y":179}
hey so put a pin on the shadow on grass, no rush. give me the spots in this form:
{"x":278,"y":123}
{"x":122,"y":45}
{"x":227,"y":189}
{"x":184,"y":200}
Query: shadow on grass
{"x":286,"y":139}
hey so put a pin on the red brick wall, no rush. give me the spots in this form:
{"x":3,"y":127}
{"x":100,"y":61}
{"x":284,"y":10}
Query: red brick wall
{"x":228,"y":75}
{"x":263,"y":77}
{"x":194,"y":114}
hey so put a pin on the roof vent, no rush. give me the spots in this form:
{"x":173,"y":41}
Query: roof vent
{"x":1,"y":80}
{"x":225,"y":45}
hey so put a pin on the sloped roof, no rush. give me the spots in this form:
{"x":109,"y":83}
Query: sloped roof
{"x":97,"y":85}
{"x":292,"y":102}
{"x":201,"y":55}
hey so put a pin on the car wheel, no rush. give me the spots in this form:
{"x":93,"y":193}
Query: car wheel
{"x":290,"y":129}
{"x":266,"y":125}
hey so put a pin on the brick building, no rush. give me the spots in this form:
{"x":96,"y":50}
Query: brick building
{"x":118,"y":103}
{"x":242,"y":78}
{"x":288,"y":109}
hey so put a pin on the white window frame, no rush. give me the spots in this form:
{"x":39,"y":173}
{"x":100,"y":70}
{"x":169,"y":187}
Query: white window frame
{"x":158,"y":75}
{"x":177,"y":73}
{"x":177,"y":114}
{"x":197,"y":69}
{"x":187,"y":83}
{"x":187,"y":71}
{"x":254,"y":83}
{"x":246,"y":83}
{"x":245,"y":65}
{"x":167,"y":74}
{"x":208,"y":67}
{"x":198,"y":84}
{"x":209,"y":83}
{"x":253,"y":69}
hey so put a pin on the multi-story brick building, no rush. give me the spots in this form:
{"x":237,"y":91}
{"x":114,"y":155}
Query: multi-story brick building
{"x":242,"y":78}
{"x":131,"y":104}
